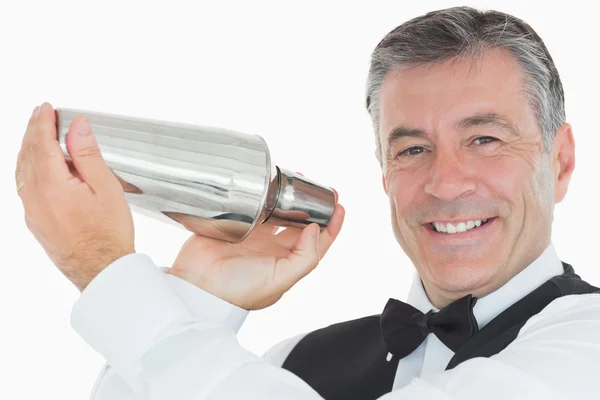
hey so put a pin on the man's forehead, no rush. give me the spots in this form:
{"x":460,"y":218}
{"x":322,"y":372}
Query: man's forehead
{"x":454,"y":90}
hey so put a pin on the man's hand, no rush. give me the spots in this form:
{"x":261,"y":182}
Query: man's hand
{"x":77,"y":211}
{"x":256,"y":272}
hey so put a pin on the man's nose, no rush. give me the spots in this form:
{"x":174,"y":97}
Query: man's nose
{"x":449,"y":178}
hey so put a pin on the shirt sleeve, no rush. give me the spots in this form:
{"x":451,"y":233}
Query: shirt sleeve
{"x":202,"y":305}
{"x":206,"y":306}
{"x":160,"y":349}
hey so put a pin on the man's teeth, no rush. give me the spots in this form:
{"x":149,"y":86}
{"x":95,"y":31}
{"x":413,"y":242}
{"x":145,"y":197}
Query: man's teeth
{"x":459,"y":227}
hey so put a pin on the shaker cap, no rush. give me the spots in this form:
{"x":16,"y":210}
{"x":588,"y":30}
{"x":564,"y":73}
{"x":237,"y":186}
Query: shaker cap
{"x":301,"y":201}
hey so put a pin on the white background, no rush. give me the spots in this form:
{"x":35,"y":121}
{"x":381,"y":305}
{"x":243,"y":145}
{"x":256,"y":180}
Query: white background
{"x":293,"y":72}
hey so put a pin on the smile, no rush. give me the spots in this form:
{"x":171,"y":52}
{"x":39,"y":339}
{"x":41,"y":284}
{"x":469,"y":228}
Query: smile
{"x":458,"y":226}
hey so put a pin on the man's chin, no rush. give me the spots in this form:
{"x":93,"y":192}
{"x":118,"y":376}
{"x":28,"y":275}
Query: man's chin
{"x":461,"y":277}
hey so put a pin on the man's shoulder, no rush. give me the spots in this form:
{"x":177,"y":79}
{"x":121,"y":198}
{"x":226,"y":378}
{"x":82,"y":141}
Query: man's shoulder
{"x":581,"y":301}
{"x":575,"y":309}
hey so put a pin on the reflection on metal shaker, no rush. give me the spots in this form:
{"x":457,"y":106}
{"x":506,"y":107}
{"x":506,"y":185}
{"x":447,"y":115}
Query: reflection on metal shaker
{"x":214,"y":182}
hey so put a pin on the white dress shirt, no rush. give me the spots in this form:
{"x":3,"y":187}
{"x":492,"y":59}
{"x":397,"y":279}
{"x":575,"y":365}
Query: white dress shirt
{"x":164,"y":338}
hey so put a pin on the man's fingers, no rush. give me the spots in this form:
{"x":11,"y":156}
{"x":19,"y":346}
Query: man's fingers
{"x":41,"y":155}
{"x":310,"y":247}
{"x":33,"y":117}
{"x":303,"y":259}
{"x":87,"y":158}
{"x":329,"y":234}
{"x":288,"y":237}
{"x":19,"y":177}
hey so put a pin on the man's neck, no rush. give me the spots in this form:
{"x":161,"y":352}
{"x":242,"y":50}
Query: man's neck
{"x":440,"y":298}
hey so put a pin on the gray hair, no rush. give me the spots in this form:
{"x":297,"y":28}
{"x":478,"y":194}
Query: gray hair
{"x":466,"y":32}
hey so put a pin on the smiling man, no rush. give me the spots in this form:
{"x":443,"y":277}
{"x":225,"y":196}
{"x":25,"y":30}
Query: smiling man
{"x":470,"y":132}
{"x":470,"y":180}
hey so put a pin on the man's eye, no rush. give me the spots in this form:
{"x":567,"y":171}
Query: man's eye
{"x":484,"y":140}
{"x":412,"y":151}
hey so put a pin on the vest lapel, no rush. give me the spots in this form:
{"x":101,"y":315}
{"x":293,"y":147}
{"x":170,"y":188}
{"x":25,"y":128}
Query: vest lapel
{"x":348,"y":360}
{"x":345,"y":361}
{"x":503,"y":329}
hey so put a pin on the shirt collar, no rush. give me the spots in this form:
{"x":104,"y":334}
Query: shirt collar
{"x":543,"y":268}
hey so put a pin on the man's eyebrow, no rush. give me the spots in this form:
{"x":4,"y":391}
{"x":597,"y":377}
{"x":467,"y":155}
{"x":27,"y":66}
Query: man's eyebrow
{"x":490,"y":119}
{"x":493,"y":119}
{"x":400,"y":132}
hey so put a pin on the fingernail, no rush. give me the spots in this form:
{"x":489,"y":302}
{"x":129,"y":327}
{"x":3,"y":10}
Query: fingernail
{"x":82,"y":126}
{"x":34,"y":112}
{"x":315,"y":231}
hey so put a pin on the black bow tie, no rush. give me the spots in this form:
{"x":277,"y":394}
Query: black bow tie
{"x":404,"y":327}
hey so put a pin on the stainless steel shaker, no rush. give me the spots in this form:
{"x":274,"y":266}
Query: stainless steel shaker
{"x":214,"y":182}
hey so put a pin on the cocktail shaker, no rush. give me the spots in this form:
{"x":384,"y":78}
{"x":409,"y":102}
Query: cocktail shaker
{"x":212,"y":181}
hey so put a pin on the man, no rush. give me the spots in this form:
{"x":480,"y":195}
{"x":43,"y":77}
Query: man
{"x":468,"y":112}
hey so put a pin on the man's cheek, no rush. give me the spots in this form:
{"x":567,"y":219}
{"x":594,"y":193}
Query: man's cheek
{"x":408,"y":206}
{"x":397,"y":193}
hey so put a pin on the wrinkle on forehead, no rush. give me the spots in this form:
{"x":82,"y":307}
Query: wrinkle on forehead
{"x":485,"y":83}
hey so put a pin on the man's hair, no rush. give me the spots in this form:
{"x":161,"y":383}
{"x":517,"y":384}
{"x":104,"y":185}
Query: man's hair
{"x":463,"y":32}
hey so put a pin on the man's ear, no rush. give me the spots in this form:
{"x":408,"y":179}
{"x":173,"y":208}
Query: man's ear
{"x":563,"y":161}
{"x":383,"y":183}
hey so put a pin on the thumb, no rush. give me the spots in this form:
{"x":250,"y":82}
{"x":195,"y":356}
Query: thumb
{"x":304,"y":257}
{"x":87,"y":159}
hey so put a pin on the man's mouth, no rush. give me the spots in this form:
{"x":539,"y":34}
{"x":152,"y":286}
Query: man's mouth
{"x":458,"y":226}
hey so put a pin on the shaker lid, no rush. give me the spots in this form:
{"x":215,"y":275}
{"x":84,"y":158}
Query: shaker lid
{"x":301,"y":201}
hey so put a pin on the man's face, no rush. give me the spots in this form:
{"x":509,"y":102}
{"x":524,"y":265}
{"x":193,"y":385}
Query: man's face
{"x":471,"y":189}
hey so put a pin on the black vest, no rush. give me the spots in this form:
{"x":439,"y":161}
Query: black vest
{"x":348,"y":360}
